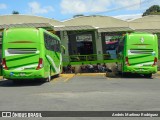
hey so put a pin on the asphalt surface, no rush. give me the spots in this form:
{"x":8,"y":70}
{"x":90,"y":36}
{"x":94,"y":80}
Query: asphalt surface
{"x":83,"y":92}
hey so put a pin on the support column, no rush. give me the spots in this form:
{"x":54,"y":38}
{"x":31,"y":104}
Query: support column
{"x":64,"y":40}
{"x":99,"y":45}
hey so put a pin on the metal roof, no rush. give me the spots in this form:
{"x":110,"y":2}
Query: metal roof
{"x":145,"y":25}
{"x":96,"y":21}
{"x":115,"y":29}
{"x":20,"y":19}
{"x":150,"y":23}
{"x":148,"y":18}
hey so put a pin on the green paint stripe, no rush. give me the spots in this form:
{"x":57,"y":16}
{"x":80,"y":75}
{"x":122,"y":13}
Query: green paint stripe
{"x":53,"y":69}
{"x":18,"y":58}
{"x":17,"y":66}
{"x":139,"y":56}
{"x":57,"y":56}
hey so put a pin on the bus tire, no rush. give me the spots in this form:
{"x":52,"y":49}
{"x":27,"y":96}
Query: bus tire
{"x":57,"y":75}
{"x":122,"y":74}
{"x":148,"y":75}
{"x":16,"y":81}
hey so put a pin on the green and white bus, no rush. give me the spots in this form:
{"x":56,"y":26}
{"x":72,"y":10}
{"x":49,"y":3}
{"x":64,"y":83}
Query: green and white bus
{"x":138,"y":53}
{"x":30,"y":53}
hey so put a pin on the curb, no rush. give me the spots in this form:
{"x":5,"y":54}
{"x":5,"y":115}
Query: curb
{"x":158,"y":73}
{"x":90,"y":74}
{"x":67,"y":75}
{"x":71,"y":74}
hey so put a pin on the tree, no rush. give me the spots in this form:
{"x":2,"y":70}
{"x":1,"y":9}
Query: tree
{"x":15,"y":12}
{"x":153,"y":10}
{"x":78,"y":15}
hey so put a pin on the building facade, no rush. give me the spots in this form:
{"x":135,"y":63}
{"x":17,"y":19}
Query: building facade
{"x":87,"y":38}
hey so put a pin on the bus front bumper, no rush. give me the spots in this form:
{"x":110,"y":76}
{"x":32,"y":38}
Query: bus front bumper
{"x":140,"y":70}
{"x":26,"y":74}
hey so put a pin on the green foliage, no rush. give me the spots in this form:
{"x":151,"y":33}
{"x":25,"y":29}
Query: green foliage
{"x":153,"y":10}
{"x":78,"y":15}
{"x":15,"y":12}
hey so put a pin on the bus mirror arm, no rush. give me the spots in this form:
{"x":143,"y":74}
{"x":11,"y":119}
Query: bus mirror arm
{"x":63,"y":49}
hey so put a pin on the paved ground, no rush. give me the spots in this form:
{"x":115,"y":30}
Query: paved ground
{"x":82,"y":92}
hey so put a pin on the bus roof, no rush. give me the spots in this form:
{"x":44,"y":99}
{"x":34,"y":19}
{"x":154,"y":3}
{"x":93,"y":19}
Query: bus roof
{"x":137,"y":33}
{"x":140,"y":38}
{"x":24,"y":33}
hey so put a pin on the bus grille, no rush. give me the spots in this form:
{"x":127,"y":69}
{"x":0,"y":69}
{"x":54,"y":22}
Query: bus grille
{"x":22,"y":50}
{"x":141,"y":51}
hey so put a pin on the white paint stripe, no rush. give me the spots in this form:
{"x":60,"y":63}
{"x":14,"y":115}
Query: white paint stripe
{"x":8,"y":54}
{"x":130,"y":53}
{"x":142,"y":64}
{"x":57,"y":69}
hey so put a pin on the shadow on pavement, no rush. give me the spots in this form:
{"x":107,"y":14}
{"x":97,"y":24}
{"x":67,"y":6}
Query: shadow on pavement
{"x":22,"y":83}
{"x":128,"y":75}
{"x":133,"y":75}
{"x":10,"y":83}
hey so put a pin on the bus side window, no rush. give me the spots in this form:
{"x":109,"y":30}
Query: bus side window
{"x":46,"y":40}
{"x":52,"y":43}
{"x":57,"y":43}
{"x":58,"y":46}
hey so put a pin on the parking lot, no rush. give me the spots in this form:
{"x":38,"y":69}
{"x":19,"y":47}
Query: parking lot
{"x":82,"y":92}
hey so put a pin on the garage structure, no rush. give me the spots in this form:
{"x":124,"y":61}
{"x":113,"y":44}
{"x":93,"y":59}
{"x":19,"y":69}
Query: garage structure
{"x":89,"y":35}
{"x":86,"y":38}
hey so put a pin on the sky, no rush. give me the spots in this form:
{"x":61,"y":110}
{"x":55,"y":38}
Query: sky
{"x":65,"y":9}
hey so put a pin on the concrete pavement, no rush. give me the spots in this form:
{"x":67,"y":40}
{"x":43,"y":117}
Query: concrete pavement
{"x":83,"y":92}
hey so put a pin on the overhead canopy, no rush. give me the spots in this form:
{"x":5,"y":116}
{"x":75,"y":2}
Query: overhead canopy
{"x":115,"y":29}
{"x":46,"y":26}
{"x":71,"y":28}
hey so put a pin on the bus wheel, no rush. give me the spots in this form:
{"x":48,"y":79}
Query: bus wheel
{"x":148,"y":75}
{"x":123,"y":74}
{"x":16,"y":81}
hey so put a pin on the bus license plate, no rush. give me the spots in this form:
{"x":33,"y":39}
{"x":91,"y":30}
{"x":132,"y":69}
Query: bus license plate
{"x":22,"y":74}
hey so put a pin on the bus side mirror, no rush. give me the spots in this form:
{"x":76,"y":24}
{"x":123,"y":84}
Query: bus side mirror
{"x":63,"y":49}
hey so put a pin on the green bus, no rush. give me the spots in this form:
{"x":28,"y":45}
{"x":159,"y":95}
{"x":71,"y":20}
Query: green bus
{"x":30,"y":53}
{"x":138,"y":53}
